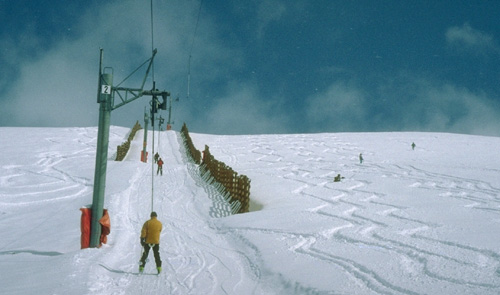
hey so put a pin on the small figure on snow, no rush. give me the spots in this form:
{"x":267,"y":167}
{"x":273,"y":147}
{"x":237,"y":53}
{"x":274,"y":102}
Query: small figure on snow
{"x":413,"y":145}
{"x":160,"y":167}
{"x":337,"y":178}
{"x":156,"y":157}
{"x":361,"y":159}
{"x":150,"y":238}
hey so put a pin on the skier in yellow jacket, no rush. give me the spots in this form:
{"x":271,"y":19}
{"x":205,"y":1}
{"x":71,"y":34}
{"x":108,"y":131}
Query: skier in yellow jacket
{"x":150,"y":238}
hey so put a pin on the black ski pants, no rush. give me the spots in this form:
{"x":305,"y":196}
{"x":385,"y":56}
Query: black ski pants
{"x":156,"y":252}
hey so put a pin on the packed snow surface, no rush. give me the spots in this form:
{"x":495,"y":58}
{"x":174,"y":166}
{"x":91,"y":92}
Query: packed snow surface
{"x":422,"y":221}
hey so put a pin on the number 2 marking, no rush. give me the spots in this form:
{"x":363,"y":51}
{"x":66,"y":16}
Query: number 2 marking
{"x":106,"y":89}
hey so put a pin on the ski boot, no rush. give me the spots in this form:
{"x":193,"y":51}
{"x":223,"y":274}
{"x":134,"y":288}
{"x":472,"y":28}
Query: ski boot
{"x":158,"y":269}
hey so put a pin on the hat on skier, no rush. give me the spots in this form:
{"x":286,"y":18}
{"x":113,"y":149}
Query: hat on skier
{"x":153,"y":214}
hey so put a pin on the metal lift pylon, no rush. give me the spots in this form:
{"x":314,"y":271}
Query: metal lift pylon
{"x":106,"y":98}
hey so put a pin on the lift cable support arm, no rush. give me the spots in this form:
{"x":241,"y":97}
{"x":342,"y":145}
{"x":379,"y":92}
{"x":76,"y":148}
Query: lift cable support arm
{"x":127,"y":95}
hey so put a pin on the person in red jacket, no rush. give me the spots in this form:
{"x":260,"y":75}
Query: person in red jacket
{"x":150,"y":238}
{"x":160,"y":167}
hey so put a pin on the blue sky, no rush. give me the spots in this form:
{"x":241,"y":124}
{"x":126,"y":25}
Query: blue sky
{"x":259,"y":66}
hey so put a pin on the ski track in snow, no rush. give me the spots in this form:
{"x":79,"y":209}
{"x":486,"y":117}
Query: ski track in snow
{"x":195,"y":258}
{"x":371,"y":233}
{"x":366,"y":222}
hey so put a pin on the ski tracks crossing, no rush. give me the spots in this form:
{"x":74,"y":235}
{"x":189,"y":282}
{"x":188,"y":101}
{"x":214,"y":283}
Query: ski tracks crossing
{"x":368,"y":226}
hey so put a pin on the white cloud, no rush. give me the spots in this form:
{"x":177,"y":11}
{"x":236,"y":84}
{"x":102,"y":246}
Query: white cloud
{"x":58,"y":86}
{"x":450,"y":108}
{"x":468,"y":38}
{"x":342,"y":107}
{"x":52,"y":90}
{"x":419,"y":104}
{"x":240,"y":110}
{"x":413,"y":104}
{"x":268,"y":12}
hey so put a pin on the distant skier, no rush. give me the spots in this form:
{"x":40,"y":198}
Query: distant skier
{"x":156,"y":157}
{"x":160,"y":167}
{"x":337,"y":178}
{"x":150,"y":238}
{"x":413,"y":145}
{"x":360,"y":158}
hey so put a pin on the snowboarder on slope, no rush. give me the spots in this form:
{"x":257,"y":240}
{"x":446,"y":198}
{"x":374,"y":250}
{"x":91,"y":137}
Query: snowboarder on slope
{"x":160,"y":167}
{"x":150,"y":238}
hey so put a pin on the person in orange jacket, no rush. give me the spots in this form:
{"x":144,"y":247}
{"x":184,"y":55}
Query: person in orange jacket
{"x":160,"y":167}
{"x":150,"y":238}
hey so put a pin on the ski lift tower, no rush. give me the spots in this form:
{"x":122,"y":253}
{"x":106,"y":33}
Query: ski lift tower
{"x":106,"y":98}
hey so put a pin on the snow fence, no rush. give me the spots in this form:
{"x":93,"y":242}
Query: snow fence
{"x":234,"y":188}
{"x":122,"y":150}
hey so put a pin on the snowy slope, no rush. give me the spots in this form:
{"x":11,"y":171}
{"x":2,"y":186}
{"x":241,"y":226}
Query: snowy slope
{"x":423,"y":221}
